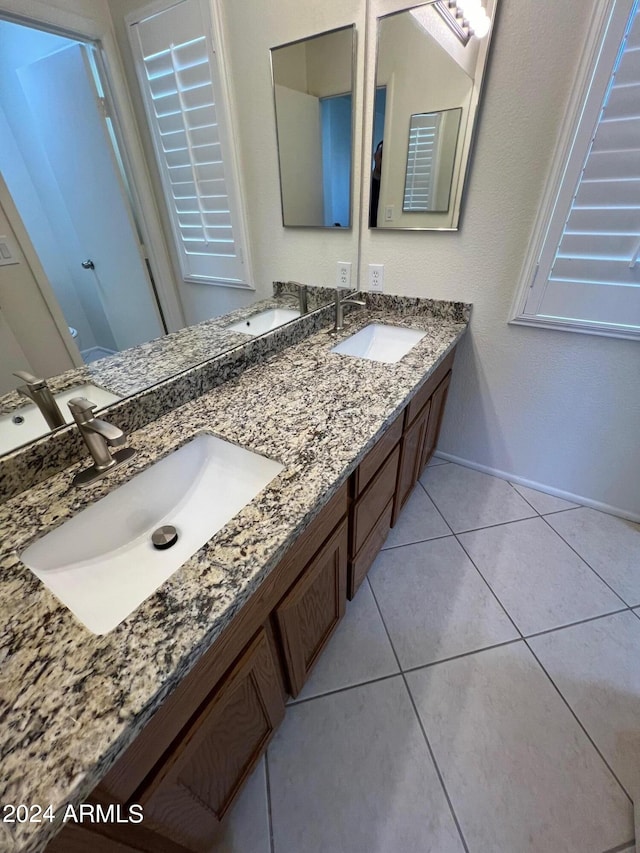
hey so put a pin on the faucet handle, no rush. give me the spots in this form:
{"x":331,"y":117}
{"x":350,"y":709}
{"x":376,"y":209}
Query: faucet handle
{"x":81,"y":409}
{"x":30,"y":379}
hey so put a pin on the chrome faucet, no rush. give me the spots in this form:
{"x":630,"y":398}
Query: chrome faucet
{"x":341,"y":301}
{"x":38,"y":392}
{"x":302,"y":296}
{"x":99,"y":436}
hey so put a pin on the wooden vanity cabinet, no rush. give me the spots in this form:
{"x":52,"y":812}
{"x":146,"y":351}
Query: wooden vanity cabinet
{"x":198,"y":780}
{"x":422,"y":427}
{"x":309,"y":613}
{"x":191,"y":759}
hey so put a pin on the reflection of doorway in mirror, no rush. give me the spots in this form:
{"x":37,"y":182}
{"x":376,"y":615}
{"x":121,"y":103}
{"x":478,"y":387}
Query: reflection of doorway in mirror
{"x":433,"y":139}
{"x":64,"y":176}
{"x":335,"y":123}
{"x":379,"y":111}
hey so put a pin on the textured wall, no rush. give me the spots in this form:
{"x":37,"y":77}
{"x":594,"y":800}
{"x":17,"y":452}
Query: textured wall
{"x":252,"y":28}
{"x":555,"y":408}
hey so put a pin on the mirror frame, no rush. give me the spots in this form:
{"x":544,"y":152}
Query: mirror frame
{"x":354,"y":89}
{"x":458,"y":193}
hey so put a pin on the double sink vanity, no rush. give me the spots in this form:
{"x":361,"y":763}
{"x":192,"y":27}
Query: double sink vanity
{"x":167,"y":684}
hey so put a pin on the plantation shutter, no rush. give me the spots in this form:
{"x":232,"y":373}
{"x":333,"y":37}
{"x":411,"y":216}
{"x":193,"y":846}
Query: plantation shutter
{"x":180,"y":83}
{"x":424,"y":133}
{"x":589,"y":270}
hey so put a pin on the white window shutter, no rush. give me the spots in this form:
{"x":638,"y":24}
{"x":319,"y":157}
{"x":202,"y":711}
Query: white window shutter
{"x":424,"y":135}
{"x":181,"y":87}
{"x":588,"y":272}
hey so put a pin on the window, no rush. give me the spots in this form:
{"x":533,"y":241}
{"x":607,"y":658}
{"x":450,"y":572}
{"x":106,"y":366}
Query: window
{"x":183,"y":93}
{"x":424,"y":132}
{"x":584,"y":271}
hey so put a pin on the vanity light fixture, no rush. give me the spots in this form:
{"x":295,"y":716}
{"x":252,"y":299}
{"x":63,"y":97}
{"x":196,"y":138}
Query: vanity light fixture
{"x":465,"y":17}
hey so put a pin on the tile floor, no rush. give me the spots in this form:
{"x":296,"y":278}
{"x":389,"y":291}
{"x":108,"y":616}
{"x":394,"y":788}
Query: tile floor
{"x":481,"y":695}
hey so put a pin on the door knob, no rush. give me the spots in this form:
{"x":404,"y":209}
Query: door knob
{"x":88,"y":265}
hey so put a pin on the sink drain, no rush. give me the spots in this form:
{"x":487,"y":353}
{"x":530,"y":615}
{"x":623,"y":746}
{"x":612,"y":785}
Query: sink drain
{"x":164,"y":537}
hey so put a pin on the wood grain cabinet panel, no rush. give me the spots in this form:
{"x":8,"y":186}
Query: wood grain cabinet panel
{"x":360,"y":564}
{"x":309,"y":613}
{"x":369,"y":507}
{"x":198,"y":782}
{"x":410,"y":457}
{"x":436,"y":413}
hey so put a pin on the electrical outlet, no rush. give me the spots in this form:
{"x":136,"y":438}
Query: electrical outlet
{"x":376,"y":278}
{"x":343,"y":274}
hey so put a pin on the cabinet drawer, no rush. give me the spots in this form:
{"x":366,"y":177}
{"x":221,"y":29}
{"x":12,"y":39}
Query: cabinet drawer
{"x":198,"y":782}
{"x":307,"y":616}
{"x":416,"y":405}
{"x":367,"y":469}
{"x":370,"y":506}
{"x":361,"y":563}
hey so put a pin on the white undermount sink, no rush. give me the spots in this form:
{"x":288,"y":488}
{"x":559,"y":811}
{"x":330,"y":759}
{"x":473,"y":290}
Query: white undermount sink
{"x":27,"y":423}
{"x":378,"y":342}
{"x":102,"y":564}
{"x":264,"y":321}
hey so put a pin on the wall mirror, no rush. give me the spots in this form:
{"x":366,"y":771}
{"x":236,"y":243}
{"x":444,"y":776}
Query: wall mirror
{"x":99,"y":332}
{"x":429,"y":68}
{"x":313,"y":96}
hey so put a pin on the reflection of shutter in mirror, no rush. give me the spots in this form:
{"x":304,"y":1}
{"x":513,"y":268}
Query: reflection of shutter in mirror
{"x":433,"y":138}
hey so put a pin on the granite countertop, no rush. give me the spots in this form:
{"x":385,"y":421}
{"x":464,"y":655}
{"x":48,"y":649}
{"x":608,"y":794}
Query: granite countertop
{"x":136,"y":368}
{"x":71,"y":702}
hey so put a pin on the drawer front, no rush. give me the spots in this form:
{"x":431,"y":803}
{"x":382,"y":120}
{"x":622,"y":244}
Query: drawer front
{"x":374,"y":459}
{"x":361,"y":563}
{"x":370,"y":506}
{"x":198,"y":782}
{"x":309,"y":613}
{"x":417,"y":404}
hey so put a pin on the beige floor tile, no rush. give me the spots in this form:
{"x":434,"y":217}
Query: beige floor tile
{"x":541,"y":501}
{"x":351,"y":773}
{"x":435,"y":604}
{"x":610,"y":545}
{"x":522,"y":775}
{"x":596,"y":667}
{"x":540,"y":581}
{"x":418,"y":521}
{"x":469,"y":499}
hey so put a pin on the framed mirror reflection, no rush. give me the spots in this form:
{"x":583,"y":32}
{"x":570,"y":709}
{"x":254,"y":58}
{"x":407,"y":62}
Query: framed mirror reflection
{"x":430,"y":63}
{"x":313,"y":81}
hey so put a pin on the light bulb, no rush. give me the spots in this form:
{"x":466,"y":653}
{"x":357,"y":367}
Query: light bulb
{"x":471,"y":9}
{"x":481,"y":26}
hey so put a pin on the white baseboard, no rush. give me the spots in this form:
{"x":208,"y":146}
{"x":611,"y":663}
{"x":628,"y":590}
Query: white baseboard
{"x":549,"y":490}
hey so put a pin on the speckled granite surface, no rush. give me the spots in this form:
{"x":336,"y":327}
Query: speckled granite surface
{"x":71,"y":702}
{"x":28,"y":465}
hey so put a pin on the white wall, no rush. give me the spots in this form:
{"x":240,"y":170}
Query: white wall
{"x":252,"y":28}
{"x":26,"y":317}
{"x":424,"y":79}
{"x":555,"y":408}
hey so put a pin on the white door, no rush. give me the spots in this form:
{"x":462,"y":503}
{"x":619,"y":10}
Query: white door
{"x":300,"y":152}
{"x":12,"y":357}
{"x":67,"y":111}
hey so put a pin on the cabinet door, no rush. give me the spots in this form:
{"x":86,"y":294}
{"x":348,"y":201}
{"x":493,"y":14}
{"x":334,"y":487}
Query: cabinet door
{"x":311,"y":610}
{"x":438,"y":402}
{"x":198,"y":782}
{"x":410,"y":457}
